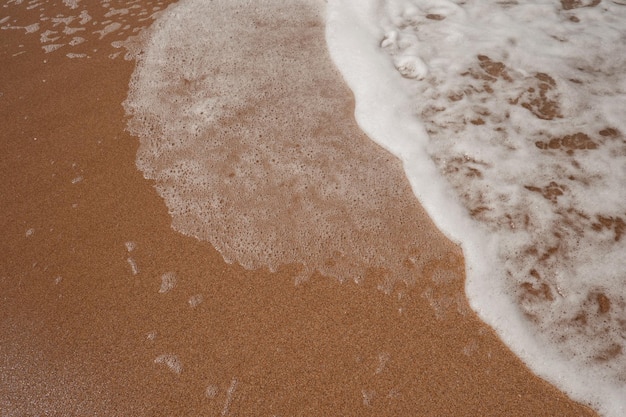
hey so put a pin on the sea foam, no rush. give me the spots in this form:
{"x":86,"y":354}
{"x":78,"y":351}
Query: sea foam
{"x":510,"y":120}
{"x":58,"y":27}
{"x":246,"y":128}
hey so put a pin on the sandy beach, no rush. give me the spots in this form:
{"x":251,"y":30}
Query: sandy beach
{"x":94,"y":323}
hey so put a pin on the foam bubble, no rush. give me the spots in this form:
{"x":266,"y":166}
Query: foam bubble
{"x":195,"y":300}
{"x":368,"y":396}
{"x":111,"y":27}
{"x":58,"y":28}
{"x":76,"y":40}
{"x":134,"y":269}
{"x":73,"y":55}
{"x":51,"y":48}
{"x":168,"y":282}
{"x":130,"y":245}
{"x":171,"y":361}
{"x":211,"y":391}
{"x":31,"y":28}
{"x":72,"y":4}
{"x":383,"y":359}
{"x":229,"y":397}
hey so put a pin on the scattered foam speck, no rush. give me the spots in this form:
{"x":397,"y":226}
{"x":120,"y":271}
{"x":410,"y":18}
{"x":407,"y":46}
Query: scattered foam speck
{"x":168,"y":282}
{"x":111,"y":27}
{"x":211,"y":391}
{"x":73,"y":55}
{"x":72,"y":4}
{"x":171,"y":361}
{"x":134,"y":269}
{"x":94,"y":20}
{"x":383,"y":359}
{"x":230,"y":393}
{"x":130,"y":246}
{"x":368,"y":396}
{"x":195,"y":300}
{"x":52,"y":47}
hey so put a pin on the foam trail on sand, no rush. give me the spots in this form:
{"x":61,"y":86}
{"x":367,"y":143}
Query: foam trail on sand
{"x":510,"y":121}
{"x":246,"y":128}
{"x":72,"y":25}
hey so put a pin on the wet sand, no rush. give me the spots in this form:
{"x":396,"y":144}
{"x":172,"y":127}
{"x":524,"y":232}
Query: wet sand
{"x":82,"y":334}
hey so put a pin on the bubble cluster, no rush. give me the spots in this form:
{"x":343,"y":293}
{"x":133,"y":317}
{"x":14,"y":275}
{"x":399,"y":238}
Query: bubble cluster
{"x":247,"y":132}
{"x":73,"y":27}
{"x":516,"y":110}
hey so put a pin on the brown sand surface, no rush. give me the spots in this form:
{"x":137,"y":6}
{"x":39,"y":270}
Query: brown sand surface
{"x":81,"y":334}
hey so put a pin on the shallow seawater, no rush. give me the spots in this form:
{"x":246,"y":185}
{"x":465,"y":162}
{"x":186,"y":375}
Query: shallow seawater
{"x":517,"y":112}
{"x":507,"y":118}
{"x":247,"y":130}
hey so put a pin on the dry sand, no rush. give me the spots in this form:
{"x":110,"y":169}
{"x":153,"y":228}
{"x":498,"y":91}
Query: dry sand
{"x":81,"y":334}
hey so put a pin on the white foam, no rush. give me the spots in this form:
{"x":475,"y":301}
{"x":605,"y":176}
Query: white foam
{"x":240,"y":126}
{"x":211,"y":391}
{"x":229,"y":397}
{"x":76,"y":40}
{"x":368,"y":396}
{"x":115,"y":12}
{"x":168,"y":282}
{"x":52,"y":47}
{"x":496,"y":111}
{"x":383,"y":360}
{"x":65,"y":20}
{"x":130,"y":246}
{"x":84,"y":17}
{"x":109,"y":28}
{"x":171,"y":361}
{"x":499,"y":111}
{"x":195,"y":300}
{"x":55,"y":27}
{"x":46,"y":37}
{"x":134,"y":269}
{"x":31,"y":28}
{"x":70,"y":30}
{"x":510,"y":120}
{"x":72,"y":4}
{"x":34,"y":5}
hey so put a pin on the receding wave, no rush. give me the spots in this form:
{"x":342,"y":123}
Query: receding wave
{"x":247,"y":130}
{"x":522,"y":111}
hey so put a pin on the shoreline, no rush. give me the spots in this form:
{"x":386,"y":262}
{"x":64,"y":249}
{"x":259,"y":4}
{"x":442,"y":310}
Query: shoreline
{"x":85,"y":335}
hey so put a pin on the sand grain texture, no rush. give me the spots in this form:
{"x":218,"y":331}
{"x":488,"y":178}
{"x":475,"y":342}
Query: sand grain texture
{"x":82,"y":334}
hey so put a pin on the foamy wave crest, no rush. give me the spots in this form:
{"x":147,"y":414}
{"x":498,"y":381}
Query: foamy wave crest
{"x":518,"y":111}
